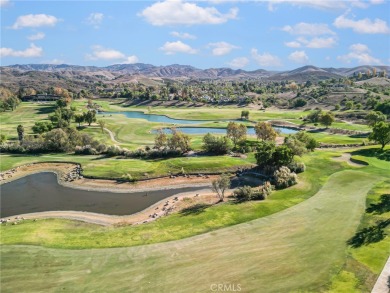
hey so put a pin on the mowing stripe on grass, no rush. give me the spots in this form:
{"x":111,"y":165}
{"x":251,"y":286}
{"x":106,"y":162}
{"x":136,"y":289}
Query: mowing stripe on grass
{"x":298,"y":248}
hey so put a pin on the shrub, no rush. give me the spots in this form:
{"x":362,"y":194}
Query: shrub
{"x":85,"y":150}
{"x":284,"y":177}
{"x":299,"y":103}
{"x":243,"y":193}
{"x":297,"y":167}
{"x":217,"y":145}
{"x":262,"y":192}
{"x":114,"y":150}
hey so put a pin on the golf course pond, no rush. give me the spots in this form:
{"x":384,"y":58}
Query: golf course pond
{"x":41,"y":192}
{"x":189,"y":130}
{"x":214,"y":130}
{"x":154,"y":118}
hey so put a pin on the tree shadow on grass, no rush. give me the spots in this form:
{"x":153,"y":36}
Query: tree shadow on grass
{"x":383,"y":206}
{"x":374,"y":152}
{"x":47,"y":109}
{"x":195,"y":209}
{"x":369,"y":235}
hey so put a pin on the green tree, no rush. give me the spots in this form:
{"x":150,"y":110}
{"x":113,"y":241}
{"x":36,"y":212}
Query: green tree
{"x":374,"y":117}
{"x":245,"y":114}
{"x":62,"y":103}
{"x":236,"y":132}
{"x":102,"y":123}
{"x":42,"y":126}
{"x":20,"y":130}
{"x":216,"y":145}
{"x":349,"y":105}
{"x":327,"y":119}
{"x":179,"y":141}
{"x":90,"y":117}
{"x":265,"y":131}
{"x":79,"y":118}
{"x":57,"y":140}
{"x":161,"y":139}
{"x":381,"y":133}
{"x":314,"y":117}
{"x":220,"y":185}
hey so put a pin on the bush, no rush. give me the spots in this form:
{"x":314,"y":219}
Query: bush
{"x":85,"y":150}
{"x":217,"y":145}
{"x":297,"y":167}
{"x":299,"y":103}
{"x":262,"y":192}
{"x":284,"y":177}
{"x":243,"y":193}
{"x":114,"y":150}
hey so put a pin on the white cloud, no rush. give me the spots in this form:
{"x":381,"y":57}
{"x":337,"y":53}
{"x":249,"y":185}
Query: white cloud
{"x":298,"y":57}
{"x":35,"y":20}
{"x":360,"y":53}
{"x":363,"y":26}
{"x":318,"y":43}
{"x":375,"y":2}
{"x":293,"y":44}
{"x":37,"y":36}
{"x":221,"y":48}
{"x":95,"y":19}
{"x":359,"y":48}
{"x":183,"y":35}
{"x":101,"y":53}
{"x":4,"y":3}
{"x":171,"y":48}
{"x":174,"y":12}
{"x":32,"y":51}
{"x":320,"y":4}
{"x":266,"y":59}
{"x":311,"y":29}
{"x":131,"y":60}
{"x":239,"y":62}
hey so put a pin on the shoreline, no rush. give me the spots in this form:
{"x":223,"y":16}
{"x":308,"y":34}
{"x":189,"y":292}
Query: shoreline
{"x":159,"y":209}
{"x":104,"y":185}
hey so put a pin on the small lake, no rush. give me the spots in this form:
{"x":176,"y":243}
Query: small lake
{"x":205,"y":130}
{"x":41,"y":192}
{"x":155,"y":118}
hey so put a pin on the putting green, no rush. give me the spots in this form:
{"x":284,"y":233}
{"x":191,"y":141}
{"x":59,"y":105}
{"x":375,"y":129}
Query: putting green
{"x":297,"y":249}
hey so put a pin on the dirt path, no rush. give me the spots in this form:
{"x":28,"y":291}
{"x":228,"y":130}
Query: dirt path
{"x":111,"y":135}
{"x":381,"y":285}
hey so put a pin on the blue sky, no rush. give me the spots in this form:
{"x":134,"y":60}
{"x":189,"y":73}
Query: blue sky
{"x":272,"y":35}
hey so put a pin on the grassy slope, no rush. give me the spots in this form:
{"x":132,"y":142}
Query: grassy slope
{"x":298,"y":248}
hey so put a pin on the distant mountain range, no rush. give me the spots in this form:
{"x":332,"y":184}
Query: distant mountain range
{"x":186,"y":71}
{"x":74,"y":76}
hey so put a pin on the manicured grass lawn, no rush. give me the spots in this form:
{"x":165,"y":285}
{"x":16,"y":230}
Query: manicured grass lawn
{"x":296,"y":249}
{"x":98,"y":166}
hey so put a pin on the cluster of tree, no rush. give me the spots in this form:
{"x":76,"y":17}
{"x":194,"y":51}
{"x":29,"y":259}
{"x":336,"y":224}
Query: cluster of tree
{"x":55,"y":140}
{"x":176,"y":141}
{"x":88,"y":117}
{"x":318,"y":116}
{"x":9,"y":103}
